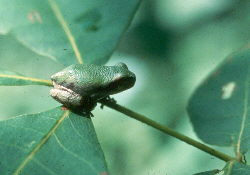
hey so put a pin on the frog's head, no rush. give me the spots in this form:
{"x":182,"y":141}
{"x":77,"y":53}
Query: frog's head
{"x":62,"y":91}
{"x":122,"y":80}
{"x":64,"y":77}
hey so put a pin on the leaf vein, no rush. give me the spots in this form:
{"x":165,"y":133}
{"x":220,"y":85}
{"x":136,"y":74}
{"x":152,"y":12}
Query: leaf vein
{"x":230,"y":167}
{"x":66,"y":29}
{"x":13,"y":145}
{"x":43,"y":166}
{"x":34,"y":130}
{"x":18,"y":77}
{"x":40,"y":144}
{"x":243,"y":122}
{"x":73,"y":154}
{"x":83,"y":139}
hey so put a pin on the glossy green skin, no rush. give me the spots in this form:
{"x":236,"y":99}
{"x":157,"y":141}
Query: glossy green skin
{"x":92,"y":83}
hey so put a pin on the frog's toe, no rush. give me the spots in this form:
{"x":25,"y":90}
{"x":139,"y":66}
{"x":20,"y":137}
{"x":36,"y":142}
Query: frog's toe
{"x":87,"y":114}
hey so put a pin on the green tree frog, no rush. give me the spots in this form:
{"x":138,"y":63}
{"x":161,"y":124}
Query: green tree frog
{"x":80,"y":86}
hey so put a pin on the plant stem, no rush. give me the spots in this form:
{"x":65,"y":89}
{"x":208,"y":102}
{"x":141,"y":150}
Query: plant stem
{"x":167,"y":130}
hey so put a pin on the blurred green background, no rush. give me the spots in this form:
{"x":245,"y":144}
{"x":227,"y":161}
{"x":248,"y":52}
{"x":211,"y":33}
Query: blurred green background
{"x":171,"y":46}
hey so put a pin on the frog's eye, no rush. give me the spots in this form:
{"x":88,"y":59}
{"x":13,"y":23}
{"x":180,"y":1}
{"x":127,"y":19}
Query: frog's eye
{"x":123,"y":65}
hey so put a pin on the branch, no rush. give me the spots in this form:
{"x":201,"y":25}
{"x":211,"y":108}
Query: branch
{"x":166,"y":130}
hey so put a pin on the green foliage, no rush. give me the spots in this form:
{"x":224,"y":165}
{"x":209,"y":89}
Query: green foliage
{"x":51,"y":142}
{"x":57,"y":141}
{"x":87,"y":31}
{"x":212,"y":172}
{"x":8,"y":78}
{"x":236,"y":168}
{"x":231,"y":168}
{"x":51,"y":27}
{"x":219,"y":107}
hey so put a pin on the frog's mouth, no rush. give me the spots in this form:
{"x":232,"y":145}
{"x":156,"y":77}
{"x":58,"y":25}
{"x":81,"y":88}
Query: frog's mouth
{"x":64,"y":95}
{"x":59,"y":91}
{"x":59,"y":87}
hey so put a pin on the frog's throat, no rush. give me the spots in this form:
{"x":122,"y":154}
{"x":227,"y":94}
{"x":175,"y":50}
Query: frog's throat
{"x":65,"y":96}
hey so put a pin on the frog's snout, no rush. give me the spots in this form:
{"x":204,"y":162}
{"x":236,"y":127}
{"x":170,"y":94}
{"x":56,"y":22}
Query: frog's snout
{"x":55,"y":76}
{"x":59,"y":77}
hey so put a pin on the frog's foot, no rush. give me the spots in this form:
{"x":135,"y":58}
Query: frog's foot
{"x":111,"y":99}
{"x":91,"y":115}
{"x":82,"y":111}
{"x":87,"y":114}
{"x":102,"y":106}
{"x":108,"y":98}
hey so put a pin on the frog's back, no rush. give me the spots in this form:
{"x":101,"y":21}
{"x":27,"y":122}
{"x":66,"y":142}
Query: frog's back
{"x":89,"y":78}
{"x":95,"y":80}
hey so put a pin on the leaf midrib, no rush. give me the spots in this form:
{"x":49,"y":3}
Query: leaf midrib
{"x":41,"y":143}
{"x":56,"y":10}
{"x":18,"y":77}
{"x":244,"y":116}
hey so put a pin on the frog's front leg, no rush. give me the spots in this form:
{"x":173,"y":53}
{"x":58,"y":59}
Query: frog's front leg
{"x":87,"y":106}
{"x":84,"y":107}
{"x":108,"y":98}
{"x":82,"y":110}
{"x":87,"y":114}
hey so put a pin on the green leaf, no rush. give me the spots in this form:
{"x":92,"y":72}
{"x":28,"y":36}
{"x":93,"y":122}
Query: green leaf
{"x":53,"y":142}
{"x":219,"y":108}
{"x":231,"y":168}
{"x":68,"y":31}
{"x":236,"y":168}
{"x":212,"y":172}
{"x":8,"y":78}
